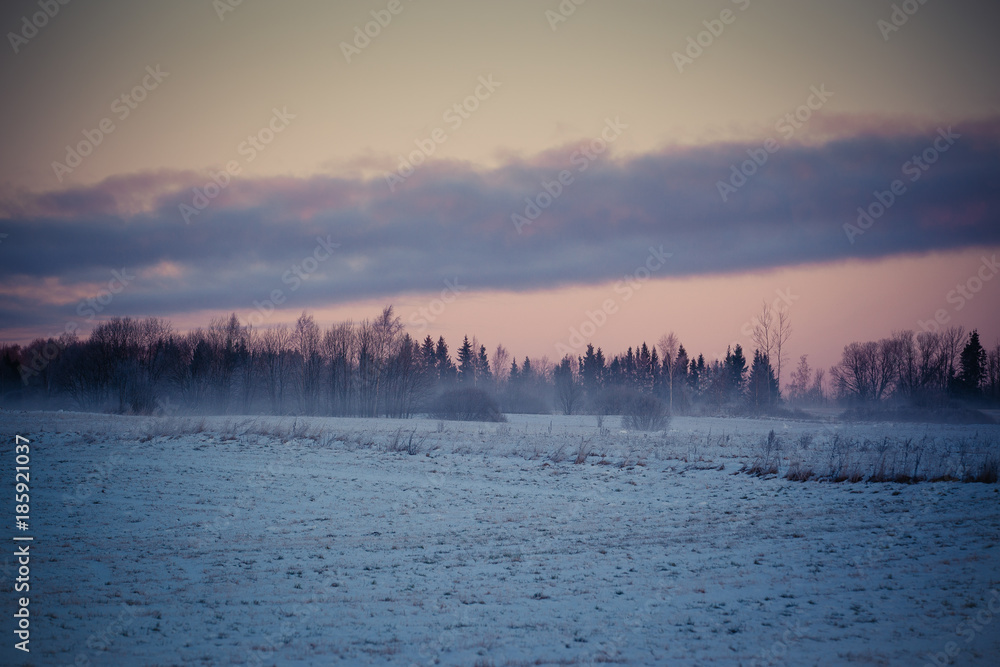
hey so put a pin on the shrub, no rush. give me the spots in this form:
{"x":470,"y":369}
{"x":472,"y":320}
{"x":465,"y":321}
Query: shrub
{"x":768,"y":458}
{"x":467,"y":405}
{"x":987,"y":472}
{"x":613,"y":400}
{"x":798,"y":472}
{"x":401,"y":443}
{"x":645,"y":413}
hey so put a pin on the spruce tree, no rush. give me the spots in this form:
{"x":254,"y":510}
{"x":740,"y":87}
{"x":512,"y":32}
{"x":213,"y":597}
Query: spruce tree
{"x":736,"y":368}
{"x":445,"y":367}
{"x":482,"y":365}
{"x":973,"y":362}
{"x":466,"y":362}
{"x":427,"y":352}
{"x":762,"y":388}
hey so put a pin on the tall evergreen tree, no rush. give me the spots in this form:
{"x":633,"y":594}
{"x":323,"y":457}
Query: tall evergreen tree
{"x":644,"y":368}
{"x":445,"y":366}
{"x":695,"y":374}
{"x":466,"y":362}
{"x":591,"y":371}
{"x":973,"y":363}
{"x":736,"y":369}
{"x":526,"y":373}
{"x":679,"y":377}
{"x":762,"y":388}
{"x":482,"y":365}
{"x":427,"y":352}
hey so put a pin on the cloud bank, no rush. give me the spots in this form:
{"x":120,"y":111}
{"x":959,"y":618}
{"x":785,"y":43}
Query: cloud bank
{"x":567,"y":217}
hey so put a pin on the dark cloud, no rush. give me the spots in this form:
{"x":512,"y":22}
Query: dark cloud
{"x":447,"y":220}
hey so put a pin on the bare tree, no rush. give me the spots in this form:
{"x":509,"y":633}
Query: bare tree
{"x":248,"y":364}
{"x":403,"y":377}
{"x":339,"y":347}
{"x":374,"y":342}
{"x":868,"y":371}
{"x":273,"y":345}
{"x":798,"y":388}
{"x":668,"y":345}
{"x":567,"y":385}
{"x":816,"y":392}
{"x":306,"y":339}
{"x":782,"y":333}
{"x":952,"y":342}
{"x":992,"y":379}
{"x":217,"y":356}
{"x":543,"y":369}
{"x":763,"y":330}
{"x":500,"y":363}
{"x":929,"y":362}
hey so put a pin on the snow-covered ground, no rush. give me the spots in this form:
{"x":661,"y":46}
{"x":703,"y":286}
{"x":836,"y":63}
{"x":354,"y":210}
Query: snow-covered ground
{"x":342,"y":541}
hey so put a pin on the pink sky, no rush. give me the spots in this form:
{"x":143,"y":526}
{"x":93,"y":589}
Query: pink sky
{"x":332,"y":130}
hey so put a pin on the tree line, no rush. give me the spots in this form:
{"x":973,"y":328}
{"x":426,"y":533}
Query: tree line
{"x":375,"y":368}
{"x":919,"y":369}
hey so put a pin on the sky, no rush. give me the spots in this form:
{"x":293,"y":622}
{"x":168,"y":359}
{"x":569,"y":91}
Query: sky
{"x":538,"y":174}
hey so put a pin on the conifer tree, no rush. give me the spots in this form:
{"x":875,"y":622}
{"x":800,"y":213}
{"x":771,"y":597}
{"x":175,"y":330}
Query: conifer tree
{"x":973,"y":363}
{"x":762,"y":388}
{"x":466,"y":362}
{"x":445,"y":366}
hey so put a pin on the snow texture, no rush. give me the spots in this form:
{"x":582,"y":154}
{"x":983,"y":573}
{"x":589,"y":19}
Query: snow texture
{"x":252,"y":541}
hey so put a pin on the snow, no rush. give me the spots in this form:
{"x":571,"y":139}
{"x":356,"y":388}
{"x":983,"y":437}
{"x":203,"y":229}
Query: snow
{"x":314,"y":541}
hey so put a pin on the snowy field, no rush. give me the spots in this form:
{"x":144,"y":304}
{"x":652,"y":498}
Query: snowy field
{"x":250,"y":541}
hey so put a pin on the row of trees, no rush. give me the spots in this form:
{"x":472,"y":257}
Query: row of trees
{"x":919,"y":369}
{"x":375,"y":368}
